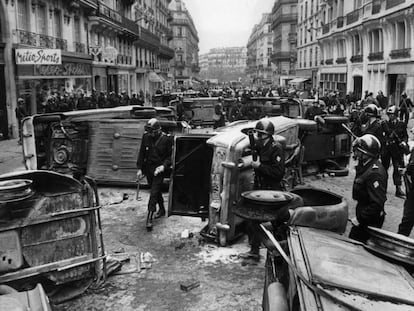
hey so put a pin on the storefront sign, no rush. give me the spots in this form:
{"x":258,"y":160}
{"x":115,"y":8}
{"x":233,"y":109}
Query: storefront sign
{"x":66,"y":69}
{"x":109,"y":54}
{"x":38,"y":57}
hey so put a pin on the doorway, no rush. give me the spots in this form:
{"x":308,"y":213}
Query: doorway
{"x":358,"y":86}
{"x":396,"y":84}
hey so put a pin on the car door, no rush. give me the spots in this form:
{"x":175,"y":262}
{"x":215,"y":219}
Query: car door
{"x":189,"y":193}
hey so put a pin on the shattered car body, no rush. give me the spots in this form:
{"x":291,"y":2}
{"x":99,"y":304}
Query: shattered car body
{"x":100,"y":143}
{"x":331,"y":272}
{"x":49,"y":228}
{"x":210,"y":171}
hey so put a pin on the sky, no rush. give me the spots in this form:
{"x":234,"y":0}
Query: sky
{"x":226,"y":23}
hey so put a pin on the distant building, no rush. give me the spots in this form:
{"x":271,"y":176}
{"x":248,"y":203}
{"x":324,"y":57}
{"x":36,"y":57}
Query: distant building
{"x":185,"y":66}
{"x":367,"y":45}
{"x":284,"y":18}
{"x":308,"y":29}
{"x":259,"y":52}
{"x":224,"y":64}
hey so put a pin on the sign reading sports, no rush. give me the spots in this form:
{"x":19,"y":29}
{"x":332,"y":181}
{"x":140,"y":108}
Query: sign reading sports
{"x":38,"y":57}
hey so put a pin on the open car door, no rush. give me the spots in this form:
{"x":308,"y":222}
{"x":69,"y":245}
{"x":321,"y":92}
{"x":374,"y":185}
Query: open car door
{"x":189,"y":193}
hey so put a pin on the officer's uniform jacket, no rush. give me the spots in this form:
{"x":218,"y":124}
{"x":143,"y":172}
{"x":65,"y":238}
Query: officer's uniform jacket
{"x":154,"y":153}
{"x":272,"y":166}
{"x":370,"y":191}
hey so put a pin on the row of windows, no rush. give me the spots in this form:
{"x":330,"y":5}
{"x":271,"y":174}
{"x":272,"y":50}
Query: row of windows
{"x":304,"y":61}
{"x":333,"y":77}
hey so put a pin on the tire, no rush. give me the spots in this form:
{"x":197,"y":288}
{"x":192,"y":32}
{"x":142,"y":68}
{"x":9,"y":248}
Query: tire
{"x":338,"y":172}
{"x":336,"y":119}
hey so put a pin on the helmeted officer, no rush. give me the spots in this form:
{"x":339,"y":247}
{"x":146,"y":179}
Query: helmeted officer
{"x":369,"y":188}
{"x":396,"y":138}
{"x":407,"y":221}
{"x":269,"y":169}
{"x":154,"y":160}
{"x":371,"y":123}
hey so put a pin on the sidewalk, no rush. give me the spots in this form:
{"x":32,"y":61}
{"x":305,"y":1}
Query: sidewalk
{"x":11,"y":156}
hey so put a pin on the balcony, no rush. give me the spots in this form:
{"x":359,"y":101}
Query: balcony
{"x":400,"y":53}
{"x":341,"y":60}
{"x":352,"y":17}
{"x":195,"y":68}
{"x":283,"y":18}
{"x":340,"y":22}
{"x":280,"y":56}
{"x":329,"y":61}
{"x":113,"y":19}
{"x":166,"y":52}
{"x":169,"y":34}
{"x":39,"y":40}
{"x":148,"y":39}
{"x":79,"y":47}
{"x":124,"y":59}
{"x":393,"y":3}
{"x":376,"y":56}
{"x":356,"y":59}
{"x":325,"y":28}
{"x":292,"y":37}
{"x":179,"y":64}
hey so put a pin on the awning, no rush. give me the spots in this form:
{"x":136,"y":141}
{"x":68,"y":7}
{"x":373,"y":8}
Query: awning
{"x":298,"y":80}
{"x":153,"y":77}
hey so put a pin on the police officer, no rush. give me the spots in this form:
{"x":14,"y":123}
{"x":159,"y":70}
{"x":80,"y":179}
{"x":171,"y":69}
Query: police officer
{"x":154,"y":160}
{"x":269,"y":169}
{"x":407,"y":221}
{"x":396,"y":138}
{"x":371,"y":123}
{"x":369,"y":188}
{"x":314,"y":112}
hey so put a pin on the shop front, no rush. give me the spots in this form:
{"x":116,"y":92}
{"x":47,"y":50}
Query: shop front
{"x":37,"y":84}
{"x":334,"y":79}
{"x":400,"y":77}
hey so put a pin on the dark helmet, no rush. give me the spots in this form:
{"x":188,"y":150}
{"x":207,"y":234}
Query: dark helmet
{"x":265,"y":126}
{"x":392,"y":110}
{"x":152,"y":125}
{"x":367,"y":144}
{"x":371,"y":110}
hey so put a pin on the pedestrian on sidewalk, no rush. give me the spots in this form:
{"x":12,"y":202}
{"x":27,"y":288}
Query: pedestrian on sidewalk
{"x":154,"y":161}
{"x":21,"y":113}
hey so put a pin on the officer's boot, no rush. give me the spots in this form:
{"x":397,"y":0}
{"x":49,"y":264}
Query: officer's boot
{"x":161,"y":211}
{"x":398,"y":192}
{"x":149,"y":220}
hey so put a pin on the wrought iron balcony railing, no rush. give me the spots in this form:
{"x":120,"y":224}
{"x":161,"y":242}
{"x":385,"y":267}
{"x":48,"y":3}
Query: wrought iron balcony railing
{"x":376,"y":56}
{"x":40,"y":40}
{"x":356,"y":59}
{"x":400,"y":53}
{"x":341,"y":60}
{"x":352,"y":17}
{"x":393,"y":3}
{"x":329,"y":61}
{"x":79,"y":47}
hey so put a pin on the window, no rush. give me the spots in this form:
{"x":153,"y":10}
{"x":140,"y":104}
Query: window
{"x":180,"y":31}
{"x":41,"y":19}
{"x":376,"y":41}
{"x":356,"y":45}
{"x":22,"y":15}
{"x":57,"y":25}
{"x":400,"y":35}
{"x":304,"y":58}
{"x":310,"y":58}
{"x":341,"y":48}
{"x":77,"y":29}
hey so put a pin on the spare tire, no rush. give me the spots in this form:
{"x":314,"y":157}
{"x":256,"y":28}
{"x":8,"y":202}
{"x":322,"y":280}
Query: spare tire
{"x":336,"y":119}
{"x":307,"y":125}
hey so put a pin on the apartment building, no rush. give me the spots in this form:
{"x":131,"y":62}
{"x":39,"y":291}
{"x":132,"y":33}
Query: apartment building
{"x":366,"y":45}
{"x":224,"y":64}
{"x":308,"y":30}
{"x":259,"y":52}
{"x":185,"y":66}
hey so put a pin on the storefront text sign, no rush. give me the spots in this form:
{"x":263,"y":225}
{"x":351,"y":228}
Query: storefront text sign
{"x":38,"y":57}
{"x":66,"y":69}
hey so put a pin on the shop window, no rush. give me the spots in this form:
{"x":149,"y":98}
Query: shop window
{"x":22,"y":16}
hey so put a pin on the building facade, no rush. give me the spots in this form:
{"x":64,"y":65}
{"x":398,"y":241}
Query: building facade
{"x":224,"y":64}
{"x":366,"y":45}
{"x":259,"y":52}
{"x":308,"y":29}
{"x":106,"y":45}
{"x":185,"y":66}
{"x":284,"y":18}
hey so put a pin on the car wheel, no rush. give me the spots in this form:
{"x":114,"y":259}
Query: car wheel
{"x":337,"y":172}
{"x":336,"y":119}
